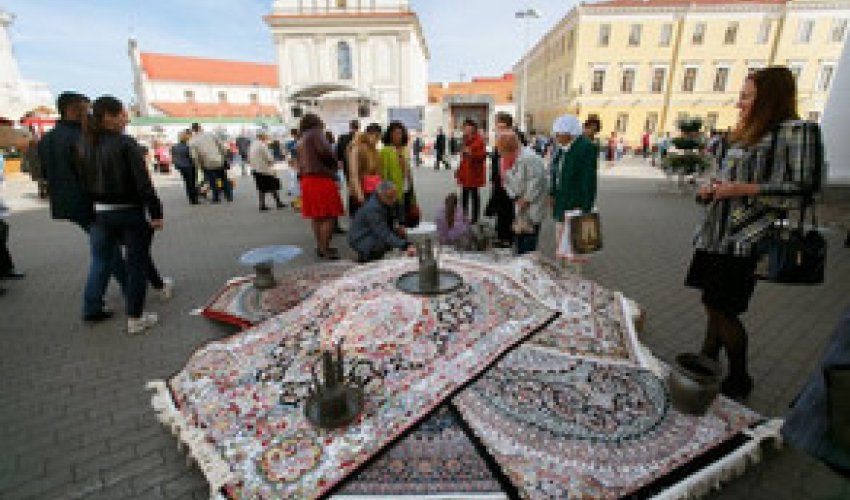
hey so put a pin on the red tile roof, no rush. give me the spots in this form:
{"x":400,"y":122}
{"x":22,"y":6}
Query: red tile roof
{"x":200,"y":70}
{"x":678,"y":3}
{"x":209,"y":110}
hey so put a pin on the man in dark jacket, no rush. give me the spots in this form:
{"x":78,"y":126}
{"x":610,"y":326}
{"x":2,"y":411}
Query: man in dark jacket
{"x":342,"y":146}
{"x":440,"y":150}
{"x":58,"y":151}
{"x":374,"y":231}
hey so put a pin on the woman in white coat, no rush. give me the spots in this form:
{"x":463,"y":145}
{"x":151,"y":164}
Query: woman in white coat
{"x":525,"y":181}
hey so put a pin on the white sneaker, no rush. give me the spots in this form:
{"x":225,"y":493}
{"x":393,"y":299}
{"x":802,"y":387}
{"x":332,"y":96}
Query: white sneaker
{"x":167,"y":290}
{"x":136,"y":326}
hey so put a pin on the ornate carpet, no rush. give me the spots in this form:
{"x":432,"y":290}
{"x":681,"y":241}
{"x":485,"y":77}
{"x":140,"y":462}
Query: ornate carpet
{"x":525,"y":380}
{"x":239,"y":303}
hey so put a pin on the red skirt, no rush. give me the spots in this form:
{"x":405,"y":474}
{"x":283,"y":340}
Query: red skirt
{"x":320,"y":198}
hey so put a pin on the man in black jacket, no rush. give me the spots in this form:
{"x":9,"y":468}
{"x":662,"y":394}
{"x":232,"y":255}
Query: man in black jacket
{"x":440,"y":150}
{"x":58,"y":151}
{"x":342,"y":145}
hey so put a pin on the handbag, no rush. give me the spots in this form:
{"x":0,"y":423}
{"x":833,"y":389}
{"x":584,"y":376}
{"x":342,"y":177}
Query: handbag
{"x":796,"y":257}
{"x":412,"y":213}
{"x":586,"y":233}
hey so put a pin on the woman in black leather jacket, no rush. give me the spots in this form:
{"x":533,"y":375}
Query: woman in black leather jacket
{"x":127,"y":207}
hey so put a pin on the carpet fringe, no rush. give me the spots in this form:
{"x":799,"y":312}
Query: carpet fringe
{"x":712,"y":477}
{"x":214,"y":468}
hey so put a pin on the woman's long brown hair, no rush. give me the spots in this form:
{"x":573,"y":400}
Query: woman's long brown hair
{"x":775,"y":102}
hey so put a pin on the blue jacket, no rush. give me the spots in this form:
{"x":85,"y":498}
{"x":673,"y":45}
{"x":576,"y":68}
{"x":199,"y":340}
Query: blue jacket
{"x":181,"y":156}
{"x":58,"y":151}
{"x":371,"y":229}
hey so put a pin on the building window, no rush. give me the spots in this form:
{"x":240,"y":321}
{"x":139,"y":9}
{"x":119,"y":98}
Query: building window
{"x":343,"y":60}
{"x":764,"y":32}
{"x":222,"y":97}
{"x":804,"y":30}
{"x":825,"y":77}
{"x":731,"y":34}
{"x":255,"y":98}
{"x":651,"y":122}
{"x":341,"y":4}
{"x":690,"y":80}
{"x":658,"y":77}
{"x":566,"y":83}
{"x":813,"y":116}
{"x":634,"y":35}
{"x":711,"y":121}
{"x":721,"y":78}
{"x":666,"y":35}
{"x":839,"y":29}
{"x":622,"y":123}
{"x":699,"y":33}
{"x":571,"y":40}
{"x":189,"y":95}
{"x":681,"y":116}
{"x":628,"y":83}
{"x":604,"y":35}
{"x":598,"y":81}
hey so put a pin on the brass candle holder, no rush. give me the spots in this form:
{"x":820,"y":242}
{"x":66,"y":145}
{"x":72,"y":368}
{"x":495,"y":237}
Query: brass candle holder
{"x":336,"y":400}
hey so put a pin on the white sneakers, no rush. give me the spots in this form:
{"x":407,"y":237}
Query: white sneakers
{"x":167,"y":290}
{"x":136,"y":326}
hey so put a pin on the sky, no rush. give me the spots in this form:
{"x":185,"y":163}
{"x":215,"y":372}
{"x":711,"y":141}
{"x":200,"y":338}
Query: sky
{"x":82,"y":44}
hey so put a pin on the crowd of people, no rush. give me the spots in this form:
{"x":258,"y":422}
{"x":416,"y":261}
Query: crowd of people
{"x":97,"y":179}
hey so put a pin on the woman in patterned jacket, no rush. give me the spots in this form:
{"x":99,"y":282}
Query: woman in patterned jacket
{"x":771,"y":168}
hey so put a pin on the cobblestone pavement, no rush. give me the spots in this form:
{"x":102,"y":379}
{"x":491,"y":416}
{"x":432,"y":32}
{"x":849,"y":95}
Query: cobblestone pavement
{"x":75,"y":420}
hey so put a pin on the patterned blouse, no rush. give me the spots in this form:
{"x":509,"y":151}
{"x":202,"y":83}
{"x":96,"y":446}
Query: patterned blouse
{"x":737,"y":225}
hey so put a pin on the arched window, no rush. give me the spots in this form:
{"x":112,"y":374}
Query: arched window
{"x":343,"y":58}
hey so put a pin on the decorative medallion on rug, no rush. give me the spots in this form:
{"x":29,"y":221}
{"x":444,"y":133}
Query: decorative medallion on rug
{"x":243,"y":397}
{"x":563,"y":427}
{"x":239,"y":303}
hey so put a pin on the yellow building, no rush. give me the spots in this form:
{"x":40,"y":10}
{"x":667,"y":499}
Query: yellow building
{"x":640,"y":65}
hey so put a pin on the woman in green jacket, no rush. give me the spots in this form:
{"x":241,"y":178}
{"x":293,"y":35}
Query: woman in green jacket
{"x":573,"y":171}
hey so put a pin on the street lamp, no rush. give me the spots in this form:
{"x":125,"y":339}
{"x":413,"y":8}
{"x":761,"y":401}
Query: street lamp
{"x":527,"y":15}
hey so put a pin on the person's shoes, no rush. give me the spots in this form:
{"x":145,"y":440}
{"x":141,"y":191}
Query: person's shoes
{"x":329,"y":254}
{"x":847,"y":240}
{"x":137,"y":326}
{"x":14,"y":275}
{"x":737,"y":388}
{"x":339,"y":230}
{"x":2,"y":291}
{"x":281,"y":205}
{"x":98,"y":316}
{"x":264,"y":209}
{"x":167,"y":290}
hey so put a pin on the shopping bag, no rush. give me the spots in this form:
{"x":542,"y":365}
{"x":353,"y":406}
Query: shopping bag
{"x":581,"y":234}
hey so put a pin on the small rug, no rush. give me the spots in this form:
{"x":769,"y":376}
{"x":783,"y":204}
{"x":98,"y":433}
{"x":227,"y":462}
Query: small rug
{"x":239,"y":303}
{"x":564,"y":427}
{"x":238,"y":403}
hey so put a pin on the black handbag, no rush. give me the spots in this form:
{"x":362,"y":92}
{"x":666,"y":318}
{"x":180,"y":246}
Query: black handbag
{"x":796,"y":257}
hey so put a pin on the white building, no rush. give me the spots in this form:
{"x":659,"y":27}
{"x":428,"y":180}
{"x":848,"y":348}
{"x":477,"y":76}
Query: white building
{"x":173,"y":91}
{"x":17,"y":96}
{"x":344,"y":59}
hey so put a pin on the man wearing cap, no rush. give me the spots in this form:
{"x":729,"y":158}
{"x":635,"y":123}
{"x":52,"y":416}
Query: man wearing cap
{"x":573,"y":172}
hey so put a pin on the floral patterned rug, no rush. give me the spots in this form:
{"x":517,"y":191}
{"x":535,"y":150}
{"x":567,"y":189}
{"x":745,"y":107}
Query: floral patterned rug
{"x":239,"y":303}
{"x":525,"y":380}
{"x":241,"y":399}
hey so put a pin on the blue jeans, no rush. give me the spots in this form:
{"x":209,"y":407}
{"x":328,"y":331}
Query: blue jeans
{"x":216,"y":176}
{"x":114,"y":267}
{"x":527,"y":242}
{"x":112,"y":230}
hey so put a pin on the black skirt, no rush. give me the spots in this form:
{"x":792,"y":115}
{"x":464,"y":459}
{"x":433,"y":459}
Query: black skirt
{"x":266,"y":183}
{"x":727,"y":281}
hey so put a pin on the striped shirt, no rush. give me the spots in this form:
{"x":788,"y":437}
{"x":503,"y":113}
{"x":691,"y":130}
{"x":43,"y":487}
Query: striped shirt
{"x":737,"y":225}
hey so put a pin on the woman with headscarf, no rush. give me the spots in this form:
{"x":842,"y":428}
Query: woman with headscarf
{"x":261,"y":159}
{"x":573,"y":171}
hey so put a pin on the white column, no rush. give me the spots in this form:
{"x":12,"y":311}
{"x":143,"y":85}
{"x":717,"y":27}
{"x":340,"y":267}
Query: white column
{"x":321,"y":60}
{"x":360,"y":61}
{"x":404,"y":68}
{"x":834,"y":122}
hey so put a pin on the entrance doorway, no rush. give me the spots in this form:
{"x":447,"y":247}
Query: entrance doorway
{"x":477,"y":112}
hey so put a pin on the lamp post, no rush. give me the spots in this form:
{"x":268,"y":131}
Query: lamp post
{"x":527,"y":15}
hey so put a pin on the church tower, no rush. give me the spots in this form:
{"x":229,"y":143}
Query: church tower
{"x":345,"y":59}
